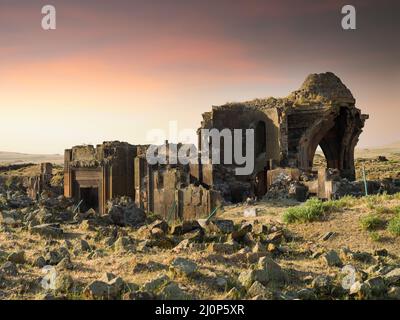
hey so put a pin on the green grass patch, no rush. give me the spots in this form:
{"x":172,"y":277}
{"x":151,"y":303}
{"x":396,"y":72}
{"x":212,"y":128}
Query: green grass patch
{"x":394,"y":225}
{"x":375,"y":236}
{"x":371,"y":222}
{"x":315,"y":209}
{"x":337,"y":205}
{"x":382,"y":210}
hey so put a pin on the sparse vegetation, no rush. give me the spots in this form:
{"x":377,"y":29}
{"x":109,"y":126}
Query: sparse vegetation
{"x":375,"y":236}
{"x":143,"y":255}
{"x":371,"y":222}
{"x":383,"y":210}
{"x":394,"y":225}
{"x":315,"y":209}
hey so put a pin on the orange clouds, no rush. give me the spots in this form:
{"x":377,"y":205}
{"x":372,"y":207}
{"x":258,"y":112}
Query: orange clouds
{"x":128,"y":66}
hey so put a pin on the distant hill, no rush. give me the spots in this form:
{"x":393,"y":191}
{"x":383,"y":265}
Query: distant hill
{"x":386,"y":150}
{"x":14,"y":157}
{"x":395,"y":145}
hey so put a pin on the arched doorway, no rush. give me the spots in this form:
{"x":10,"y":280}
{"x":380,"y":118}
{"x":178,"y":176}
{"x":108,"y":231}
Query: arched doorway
{"x":337,"y":134}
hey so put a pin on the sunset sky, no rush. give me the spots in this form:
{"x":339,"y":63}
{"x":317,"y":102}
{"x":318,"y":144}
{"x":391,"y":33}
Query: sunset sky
{"x":112,"y":70}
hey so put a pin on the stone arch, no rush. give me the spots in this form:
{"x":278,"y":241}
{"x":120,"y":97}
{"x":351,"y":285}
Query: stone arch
{"x":336,"y":132}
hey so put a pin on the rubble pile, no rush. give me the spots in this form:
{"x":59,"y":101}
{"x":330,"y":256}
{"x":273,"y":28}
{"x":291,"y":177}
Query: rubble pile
{"x":344,"y":187}
{"x":13,"y":200}
{"x":285,"y":187}
{"x":124,"y":212}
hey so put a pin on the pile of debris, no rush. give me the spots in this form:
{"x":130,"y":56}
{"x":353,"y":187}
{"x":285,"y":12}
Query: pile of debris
{"x":14,"y":199}
{"x":285,"y":187}
{"x":124,"y":212}
{"x":344,"y":187}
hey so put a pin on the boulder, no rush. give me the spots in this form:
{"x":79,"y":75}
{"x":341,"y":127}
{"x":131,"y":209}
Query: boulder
{"x":393,"y":277}
{"x":377,"y":286}
{"x":221,"y":283}
{"x":276,"y":237}
{"x":47,"y":230}
{"x":123,"y":244}
{"x":190,"y":226}
{"x":221,"y":226}
{"x":138,"y":295}
{"x":172,"y":291}
{"x":182,"y":266}
{"x":105,"y":290}
{"x":84,"y":246}
{"x":248,"y":277}
{"x":275,"y":274}
{"x":128,"y":215}
{"x":257,"y":289}
{"x":53,"y":257}
{"x":322,"y":284}
{"x":150,"y":266}
{"x":10,"y":218}
{"x":63,"y":283}
{"x":360,"y":290}
{"x":9,"y":268}
{"x":98,"y":290}
{"x":39,"y":262}
{"x":306,"y":294}
{"x":222,"y":248}
{"x":17,"y":257}
{"x":154,"y":284}
{"x":159,"y":224}
{"x":331,"y":259}
{"x":240,"y":235}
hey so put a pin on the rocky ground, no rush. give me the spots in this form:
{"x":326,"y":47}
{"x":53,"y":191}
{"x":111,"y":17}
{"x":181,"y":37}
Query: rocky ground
{"x":49,"y":252}
{"x":344,"y":249}
{"x":379,"y":163}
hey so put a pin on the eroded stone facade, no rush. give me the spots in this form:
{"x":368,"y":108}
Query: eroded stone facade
{"x":287,"y":133}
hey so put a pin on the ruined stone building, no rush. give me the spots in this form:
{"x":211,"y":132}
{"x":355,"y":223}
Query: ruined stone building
{"x":115,"y":169}
{"x":287,"y":133}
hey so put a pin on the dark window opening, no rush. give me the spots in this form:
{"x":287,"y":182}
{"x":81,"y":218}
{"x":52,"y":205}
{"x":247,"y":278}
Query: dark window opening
{"x":90,"y":197}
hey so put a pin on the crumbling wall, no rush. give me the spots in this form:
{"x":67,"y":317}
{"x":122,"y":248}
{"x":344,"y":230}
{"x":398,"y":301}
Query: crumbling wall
{"x":107,"y":170}
{"x":321,"y":113}
{"x":173,"y":191}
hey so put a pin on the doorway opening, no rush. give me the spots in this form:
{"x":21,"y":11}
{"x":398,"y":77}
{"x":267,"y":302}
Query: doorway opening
{"x":90,"y":199}
{"x":319,"y":160}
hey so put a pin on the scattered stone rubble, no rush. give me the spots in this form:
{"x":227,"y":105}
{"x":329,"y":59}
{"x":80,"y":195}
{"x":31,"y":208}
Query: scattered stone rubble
{"x":352,"y":275}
